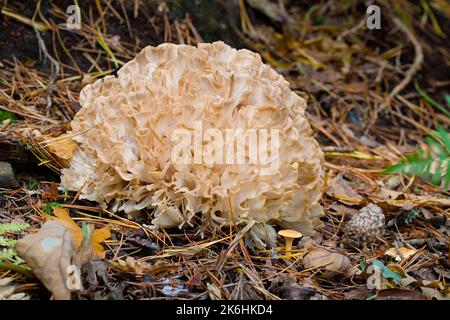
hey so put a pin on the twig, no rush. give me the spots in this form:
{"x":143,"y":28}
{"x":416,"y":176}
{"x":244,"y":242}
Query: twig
{"x":54,"y":65}
{"x":415,"y":66}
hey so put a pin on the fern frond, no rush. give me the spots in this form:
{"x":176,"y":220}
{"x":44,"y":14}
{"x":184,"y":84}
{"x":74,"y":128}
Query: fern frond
{"x":10,"y":254}
{"x":444,"y":136}
{"x":14,"y":226}
{"x":4,"y":242}
{"x":432,"y":163}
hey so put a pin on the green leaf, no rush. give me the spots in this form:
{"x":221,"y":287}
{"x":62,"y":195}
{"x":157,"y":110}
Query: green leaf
{"x":318,"y":20}
{"x":5,"y":115}
{"x":48,"y":208}
{"x":363,"y":265}
{"x":447,"y":99}
{"x":85,"y":230}
{"x":32,"y":184}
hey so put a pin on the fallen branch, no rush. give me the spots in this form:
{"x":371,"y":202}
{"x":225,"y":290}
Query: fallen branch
{"x":15,"y":152}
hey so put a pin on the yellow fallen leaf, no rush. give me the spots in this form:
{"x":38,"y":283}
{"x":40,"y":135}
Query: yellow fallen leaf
{"x":62,"y":217}
{"x":400,"y":254}
{"x":63,"y":147}
{"x":98,"y":237}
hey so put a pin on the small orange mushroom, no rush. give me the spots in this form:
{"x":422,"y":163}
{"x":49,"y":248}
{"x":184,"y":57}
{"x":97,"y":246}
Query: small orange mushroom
{"x":289,"y":236}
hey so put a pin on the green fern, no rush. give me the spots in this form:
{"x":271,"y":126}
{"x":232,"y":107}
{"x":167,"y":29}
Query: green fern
{"x":8,"y":253}
{"x":14,"y":226}
{"x":4,"y":242}
{"x":428,"y":163}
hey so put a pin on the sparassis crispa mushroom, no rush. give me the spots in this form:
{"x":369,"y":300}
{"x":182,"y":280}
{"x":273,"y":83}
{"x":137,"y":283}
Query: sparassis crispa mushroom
{"x":123,"y":133}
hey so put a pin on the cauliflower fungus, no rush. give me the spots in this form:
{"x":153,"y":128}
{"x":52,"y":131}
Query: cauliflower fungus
{"x":124,"y":135}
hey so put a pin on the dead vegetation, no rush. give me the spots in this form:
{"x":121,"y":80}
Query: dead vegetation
{"x":373,"y":96}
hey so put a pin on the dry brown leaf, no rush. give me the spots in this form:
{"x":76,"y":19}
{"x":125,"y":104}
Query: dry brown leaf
{"x":51,"y":193}
{"x":63,"y":148}
{"x":339,"y":188}
{"x":334,"y":262}
{"x":422,"y":200}
{"x":62,"y":217}
{"x":49,"y":254}
{"x":387,"y":194}
{"x":214,"y":292}
{"x":399,"y":294}
{"x":133,"y":265}
{"x":95,"y":269}
{"x":141,"y":267}
{"x":400,"y":254}
{"x":357,"y":294}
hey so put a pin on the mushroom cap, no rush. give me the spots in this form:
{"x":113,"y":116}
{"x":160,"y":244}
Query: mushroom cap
{"x":124,"y":128}
{"x":288,"y":233}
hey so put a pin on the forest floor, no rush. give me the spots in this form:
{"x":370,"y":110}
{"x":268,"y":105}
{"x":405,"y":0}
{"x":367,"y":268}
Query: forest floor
{"x":373,"y":97}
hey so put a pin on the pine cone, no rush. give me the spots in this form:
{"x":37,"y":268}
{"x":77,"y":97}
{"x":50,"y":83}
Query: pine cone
{"x":365,"y":226}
